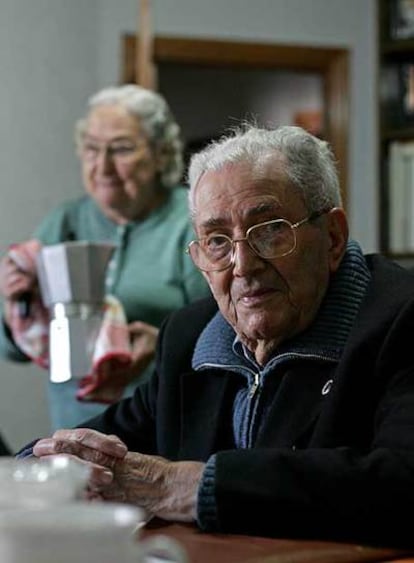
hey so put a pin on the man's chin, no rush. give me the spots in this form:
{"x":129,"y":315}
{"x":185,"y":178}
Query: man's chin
{"x":258,"y":325}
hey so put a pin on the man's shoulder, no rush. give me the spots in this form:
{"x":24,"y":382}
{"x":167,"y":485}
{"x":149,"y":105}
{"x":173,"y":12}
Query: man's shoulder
{"x":199,"y":312}
{"x":180,"y":331}
{"x":188,"y":322}
{"x":389,"y":275}
{"x":391,"y":287}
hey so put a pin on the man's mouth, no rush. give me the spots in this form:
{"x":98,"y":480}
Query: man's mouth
{"x":257,"y":296}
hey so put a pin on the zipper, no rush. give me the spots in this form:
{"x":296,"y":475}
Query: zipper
{"x":254,"y":386}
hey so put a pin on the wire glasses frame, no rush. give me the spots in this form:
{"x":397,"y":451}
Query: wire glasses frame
{"x":120,"y":150}
{"x":268,"y":240}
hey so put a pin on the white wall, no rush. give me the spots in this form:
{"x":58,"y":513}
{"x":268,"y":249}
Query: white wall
{"x":54,"y":53}
{"x":48,"y":58}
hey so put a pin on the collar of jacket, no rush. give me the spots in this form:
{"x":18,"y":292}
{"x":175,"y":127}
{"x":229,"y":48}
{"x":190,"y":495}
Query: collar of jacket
{"x":218,"y":345}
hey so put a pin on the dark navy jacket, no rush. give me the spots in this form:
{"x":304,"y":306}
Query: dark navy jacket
{"x":337,"y":464}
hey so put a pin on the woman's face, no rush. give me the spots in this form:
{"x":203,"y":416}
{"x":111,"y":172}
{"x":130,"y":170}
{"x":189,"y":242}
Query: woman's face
{"x":119,"y":165}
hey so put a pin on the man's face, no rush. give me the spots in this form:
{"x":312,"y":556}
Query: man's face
{"x":267,"y":300}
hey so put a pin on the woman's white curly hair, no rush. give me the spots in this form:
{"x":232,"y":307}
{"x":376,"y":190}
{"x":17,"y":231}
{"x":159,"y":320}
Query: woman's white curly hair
{"x":156,"y":119}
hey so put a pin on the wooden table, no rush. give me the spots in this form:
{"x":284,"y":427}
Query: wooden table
{"x":229,"y":548}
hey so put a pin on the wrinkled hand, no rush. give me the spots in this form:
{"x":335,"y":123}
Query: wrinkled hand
{"x":13,"y":281}
{"x":164,"y":488}
{"x":13,"y":284}
{"x":100,"y":452}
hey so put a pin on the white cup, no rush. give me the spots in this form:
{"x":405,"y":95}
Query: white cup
{"x":82,"y":532}
{"x":38,"y":482}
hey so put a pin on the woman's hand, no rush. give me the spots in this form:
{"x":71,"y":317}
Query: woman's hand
{"x":143,"y":341}
{"x":14,"y":283}
{"x":115,"y":374}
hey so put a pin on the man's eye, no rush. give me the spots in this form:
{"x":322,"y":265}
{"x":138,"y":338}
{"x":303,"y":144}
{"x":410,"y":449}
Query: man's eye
{"x":216,"y":241}
{"x":272,"y":229}
{"x":216,"y":246}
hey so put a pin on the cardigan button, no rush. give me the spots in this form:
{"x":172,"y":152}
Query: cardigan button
{"x":327,"y":387}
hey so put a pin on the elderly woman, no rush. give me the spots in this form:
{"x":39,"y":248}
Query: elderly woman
{"x":131,"y":159}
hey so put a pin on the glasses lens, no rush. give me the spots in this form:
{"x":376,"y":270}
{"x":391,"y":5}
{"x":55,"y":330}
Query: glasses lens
{"x":211,"y":253}
{"x":272,"y":239}
{"x":120,"y":150}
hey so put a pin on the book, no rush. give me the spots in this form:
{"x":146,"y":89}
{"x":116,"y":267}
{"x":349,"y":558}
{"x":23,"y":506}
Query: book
{"x":401,"y":197}
{"x":402,"y":19}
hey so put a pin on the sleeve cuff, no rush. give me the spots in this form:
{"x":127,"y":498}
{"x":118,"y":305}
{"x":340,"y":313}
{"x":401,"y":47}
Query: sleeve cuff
{"x":206,"y":502}
{"x":27,"y":450}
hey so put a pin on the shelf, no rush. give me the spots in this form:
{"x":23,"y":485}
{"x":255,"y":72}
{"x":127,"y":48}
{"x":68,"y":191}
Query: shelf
{"x":399,"y":49}
{"x":397,"y":134}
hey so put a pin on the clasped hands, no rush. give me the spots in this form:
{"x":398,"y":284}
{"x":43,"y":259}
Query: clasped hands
{"x":164,"y":488}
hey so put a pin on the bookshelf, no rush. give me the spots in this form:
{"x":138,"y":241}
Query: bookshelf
{"x":396,"y":127}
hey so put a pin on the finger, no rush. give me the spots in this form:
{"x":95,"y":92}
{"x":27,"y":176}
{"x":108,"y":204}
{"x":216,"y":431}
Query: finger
{"x":98,"y":475}
{"x":52,"y":446}
{"x":106,"y":444}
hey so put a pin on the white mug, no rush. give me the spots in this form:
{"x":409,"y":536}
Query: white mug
{"x":82,"y":532}
{"x":39,"y":482}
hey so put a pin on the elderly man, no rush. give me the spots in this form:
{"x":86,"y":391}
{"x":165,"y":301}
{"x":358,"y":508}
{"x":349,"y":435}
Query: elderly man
{"x":285,"y":405}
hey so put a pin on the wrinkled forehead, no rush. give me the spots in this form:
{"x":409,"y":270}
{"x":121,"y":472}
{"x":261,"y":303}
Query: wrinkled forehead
{"x":111,"y":120}
{"x":244,"y":188}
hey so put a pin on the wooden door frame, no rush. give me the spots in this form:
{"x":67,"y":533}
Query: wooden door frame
{"x":332,"y":63}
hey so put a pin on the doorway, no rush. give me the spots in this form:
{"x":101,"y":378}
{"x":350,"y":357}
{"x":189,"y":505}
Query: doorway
{"x":173,"y":58}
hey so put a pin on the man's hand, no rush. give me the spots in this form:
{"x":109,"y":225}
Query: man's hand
{"x":164,"y":488}
{"x":99,"y":451}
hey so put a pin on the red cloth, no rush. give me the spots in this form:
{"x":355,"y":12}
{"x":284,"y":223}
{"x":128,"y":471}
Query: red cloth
{"x":111,"y":358}
{"x":112,"y":352}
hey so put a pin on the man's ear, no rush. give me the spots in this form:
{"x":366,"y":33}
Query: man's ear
{"x":338,"y":232}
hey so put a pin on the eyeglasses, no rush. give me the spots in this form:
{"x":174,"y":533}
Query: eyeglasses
{"x":118,"y":150}
{"x":271,"y":239}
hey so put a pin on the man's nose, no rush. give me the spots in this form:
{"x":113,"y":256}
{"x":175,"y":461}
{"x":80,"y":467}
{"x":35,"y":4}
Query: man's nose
{"x":245,"y":258}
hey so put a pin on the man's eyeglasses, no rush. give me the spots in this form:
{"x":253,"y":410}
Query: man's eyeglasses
{"x":271,"y":239}
{"x":118,"y":150}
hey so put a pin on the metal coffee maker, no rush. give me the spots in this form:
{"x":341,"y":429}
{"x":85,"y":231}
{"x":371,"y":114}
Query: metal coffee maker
{"x":72,"y":286}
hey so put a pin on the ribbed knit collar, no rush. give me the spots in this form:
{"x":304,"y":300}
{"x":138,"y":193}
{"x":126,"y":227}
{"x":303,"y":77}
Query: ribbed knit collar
{"x":219,"y":346}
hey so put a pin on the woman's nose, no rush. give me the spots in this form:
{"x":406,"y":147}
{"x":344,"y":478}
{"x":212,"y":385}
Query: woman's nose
{"x":105,"y":160}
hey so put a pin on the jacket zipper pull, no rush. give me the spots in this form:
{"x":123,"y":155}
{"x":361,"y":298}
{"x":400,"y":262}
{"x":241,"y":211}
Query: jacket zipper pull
{"x":255,"y":385}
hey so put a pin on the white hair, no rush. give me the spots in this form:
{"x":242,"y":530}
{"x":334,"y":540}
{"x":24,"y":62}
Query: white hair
{"x":156,"y":119}
{"x":308,"y":161}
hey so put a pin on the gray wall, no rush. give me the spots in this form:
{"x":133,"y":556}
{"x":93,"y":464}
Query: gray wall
{"x":54,"y":53}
